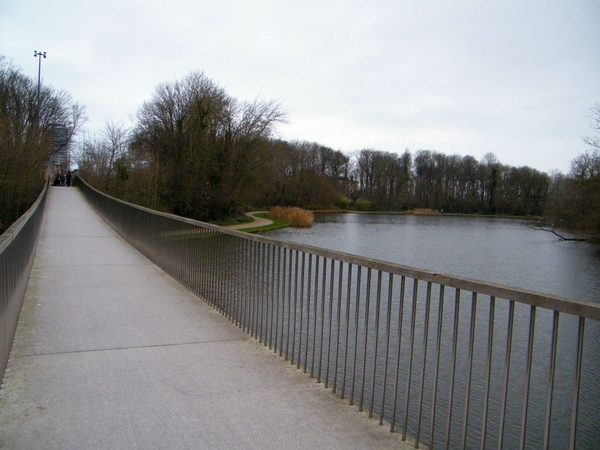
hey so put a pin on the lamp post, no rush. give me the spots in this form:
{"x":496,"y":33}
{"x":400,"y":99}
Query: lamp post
{"x":39,"y":55}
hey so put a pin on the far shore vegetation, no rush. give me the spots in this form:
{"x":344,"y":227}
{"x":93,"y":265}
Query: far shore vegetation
{"x":196,"y":151}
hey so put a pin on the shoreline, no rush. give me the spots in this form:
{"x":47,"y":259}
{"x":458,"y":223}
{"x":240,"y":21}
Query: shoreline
{"x":260,"y":224}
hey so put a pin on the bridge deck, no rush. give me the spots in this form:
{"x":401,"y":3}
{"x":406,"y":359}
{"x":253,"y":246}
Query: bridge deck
{"x":111,"y":352}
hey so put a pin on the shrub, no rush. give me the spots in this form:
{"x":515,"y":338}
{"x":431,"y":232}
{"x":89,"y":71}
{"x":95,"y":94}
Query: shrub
{"x":362,"y":204}
{"x":297,"y":217}
{"x":344,"y":202}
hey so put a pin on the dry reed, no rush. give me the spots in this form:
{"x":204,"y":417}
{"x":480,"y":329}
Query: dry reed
{"x":297,"y":217}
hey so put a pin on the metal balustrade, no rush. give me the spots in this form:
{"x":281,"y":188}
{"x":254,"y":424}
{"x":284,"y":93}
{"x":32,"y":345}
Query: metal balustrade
{"x":17,"y":249}
{"x":450,"y":362}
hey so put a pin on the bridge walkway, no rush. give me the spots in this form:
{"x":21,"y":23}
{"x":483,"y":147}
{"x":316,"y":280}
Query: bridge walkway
{"x":112,"y":353}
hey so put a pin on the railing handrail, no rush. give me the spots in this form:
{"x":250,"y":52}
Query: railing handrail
{"x":13,"y":231}
{"x":17,"y":249}
{"x":561,"y":304}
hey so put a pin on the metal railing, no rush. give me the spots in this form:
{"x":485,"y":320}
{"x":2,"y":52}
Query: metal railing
{"x":17,"y":249}
{"x":450,"y":362}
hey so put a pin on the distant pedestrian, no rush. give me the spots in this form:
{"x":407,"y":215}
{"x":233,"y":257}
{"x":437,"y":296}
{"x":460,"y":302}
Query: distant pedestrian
{"x":68,"y":177}
{"x":62,"y":180}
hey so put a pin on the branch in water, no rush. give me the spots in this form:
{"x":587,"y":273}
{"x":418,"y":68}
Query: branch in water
{"x":540,"y":227}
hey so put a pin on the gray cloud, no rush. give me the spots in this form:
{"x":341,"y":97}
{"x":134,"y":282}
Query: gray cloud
{"x":467,"y":77}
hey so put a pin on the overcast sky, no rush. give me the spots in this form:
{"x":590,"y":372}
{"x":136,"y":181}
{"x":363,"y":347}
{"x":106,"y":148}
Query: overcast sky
{"x":514,"y":77}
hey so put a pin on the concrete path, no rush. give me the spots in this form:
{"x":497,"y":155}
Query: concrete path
{"x":111,"y":353}
{"x":257,"y":222}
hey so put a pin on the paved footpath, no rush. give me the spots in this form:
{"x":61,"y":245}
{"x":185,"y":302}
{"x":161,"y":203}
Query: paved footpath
{"x":256,"y":222}
{"x":111,"y":353}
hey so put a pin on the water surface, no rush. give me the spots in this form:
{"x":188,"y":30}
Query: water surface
{"x":502,"y":251}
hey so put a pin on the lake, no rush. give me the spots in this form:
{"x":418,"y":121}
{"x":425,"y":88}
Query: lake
{"x":501,"y":251}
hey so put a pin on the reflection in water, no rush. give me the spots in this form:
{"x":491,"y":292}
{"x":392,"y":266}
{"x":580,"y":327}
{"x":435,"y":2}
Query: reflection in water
{"x":501,"y":251}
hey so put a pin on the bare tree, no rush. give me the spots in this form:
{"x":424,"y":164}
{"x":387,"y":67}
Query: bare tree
{"x":102,"y":160}
{"x":27,"y":138}
{"x":203,"y":145}
{"x":57,"y":108}
{"x":594,"y":141}
{"x":246,"y":148}
{"x":575,"y":198}
{"x":117,"y":137}
{"x":586,"y":166}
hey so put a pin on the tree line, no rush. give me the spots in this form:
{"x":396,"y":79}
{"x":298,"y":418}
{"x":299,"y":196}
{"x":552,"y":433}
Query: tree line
{"x":28,"y":137}
{"x":449,"y":183}
{"x":196,"y":151}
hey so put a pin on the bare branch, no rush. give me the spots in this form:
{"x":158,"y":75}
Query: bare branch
{"x":537,"y":225}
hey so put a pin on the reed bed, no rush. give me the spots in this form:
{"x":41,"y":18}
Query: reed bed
{"x":422,"y":212}
{"x":297,"y":217}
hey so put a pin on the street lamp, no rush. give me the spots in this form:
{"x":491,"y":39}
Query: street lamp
{"x":39,"y":55}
